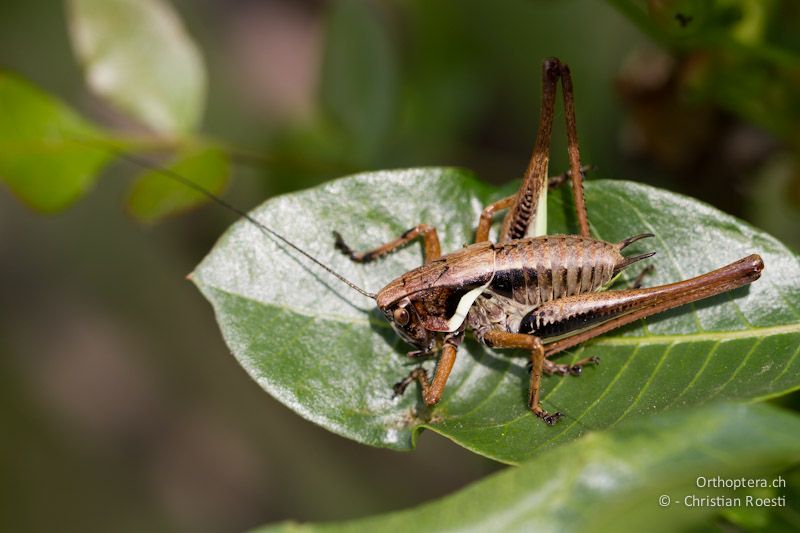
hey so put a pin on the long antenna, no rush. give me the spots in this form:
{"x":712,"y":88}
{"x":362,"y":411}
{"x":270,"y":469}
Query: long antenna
{"x":264,"y":229}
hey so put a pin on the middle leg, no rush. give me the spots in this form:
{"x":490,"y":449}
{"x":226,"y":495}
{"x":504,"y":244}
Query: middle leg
{"x":503,"y":339}
{"x":564,"y":369}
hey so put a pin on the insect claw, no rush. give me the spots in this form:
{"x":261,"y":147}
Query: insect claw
{"x":400,"y":387}
{"x":549,"y":419}
{"x":563,"y":369}
{"x":593,"y":360}
{"x":418,"y":374}
{"x":340,"y":245}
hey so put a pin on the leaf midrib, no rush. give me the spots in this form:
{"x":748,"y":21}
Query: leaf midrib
{"x":647,"y":339}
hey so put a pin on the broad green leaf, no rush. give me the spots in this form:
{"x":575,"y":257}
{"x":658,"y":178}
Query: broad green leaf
{"x":137,"y":54}
{"x":154,"y":196}
{"x":615,"y":480}
{"x":326,"y":352}
{"x":46,"y":155}
{"x":358,"y":78}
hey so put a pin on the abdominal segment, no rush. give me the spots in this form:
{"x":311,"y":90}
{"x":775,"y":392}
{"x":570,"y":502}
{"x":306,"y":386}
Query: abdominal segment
{"x":535,"y":271}
{"x":538,"y":323}
{"x":569,"y":315}
{"x":531,"y":272}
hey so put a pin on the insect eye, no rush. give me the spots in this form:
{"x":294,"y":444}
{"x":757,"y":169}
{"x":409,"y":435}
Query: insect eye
{"x":401,"y":316}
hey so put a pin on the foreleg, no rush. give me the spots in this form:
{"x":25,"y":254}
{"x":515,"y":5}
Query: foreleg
{"x":432,"y":391}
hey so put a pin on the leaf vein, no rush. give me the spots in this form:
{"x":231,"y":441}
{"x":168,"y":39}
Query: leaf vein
{"x":646,"y":384}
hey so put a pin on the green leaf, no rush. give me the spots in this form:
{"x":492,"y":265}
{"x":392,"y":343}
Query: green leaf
{"x":137,"y":54}
{"x":613,"y":481}
{"x":326,"y":352}
{"x":154,"y":196}
{"x":358,"y":78}
{"x":46,"y":150}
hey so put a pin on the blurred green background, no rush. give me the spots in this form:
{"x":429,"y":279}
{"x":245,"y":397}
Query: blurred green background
{"x":118,"y":398}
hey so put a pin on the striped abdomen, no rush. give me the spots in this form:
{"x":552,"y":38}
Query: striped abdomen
{"x":537,"y":270}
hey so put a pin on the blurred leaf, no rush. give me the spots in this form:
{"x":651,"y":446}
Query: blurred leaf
{"x":155,"y":196}
{"x":45,"y":157}
{"x":691,"y":22}
{"x":302,"y":157}
{"x":137,"y":54}
{"x":327,"y":353}
{"x":771,"y":200}
{"x":737,"y":57}
{"x":759,"y":92}
{"x":613,"y":480}
{"x":358,"y":75}
{"x":770,"y":518}
{"x":744,"y":20}
{"x":444,"y":93}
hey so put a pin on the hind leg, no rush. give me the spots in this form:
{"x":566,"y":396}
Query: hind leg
{"x":646,"y":271}
{"x":572,"y":369}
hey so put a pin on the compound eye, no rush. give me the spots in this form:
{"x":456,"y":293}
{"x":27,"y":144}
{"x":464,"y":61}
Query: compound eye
{"x":401,"y":316}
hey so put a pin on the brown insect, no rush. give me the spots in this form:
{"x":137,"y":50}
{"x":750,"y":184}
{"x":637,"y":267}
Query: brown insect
{"x":539,"y":293}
